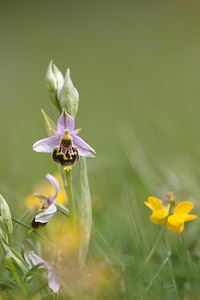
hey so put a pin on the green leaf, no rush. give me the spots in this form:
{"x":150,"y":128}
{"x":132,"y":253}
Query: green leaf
{"x":14,"y":255}
{"x":33,"y":269}
{"x":85,"y":211}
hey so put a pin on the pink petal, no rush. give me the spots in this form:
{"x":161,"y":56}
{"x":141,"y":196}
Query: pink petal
{"x":46,"y":145}
{"x":36,"y":259}
{"x":65,"y":122}
{"x":53,"y":181}
{"x":75,"y":132}
{"x":54,"y":281}
{"x":83,"y":148}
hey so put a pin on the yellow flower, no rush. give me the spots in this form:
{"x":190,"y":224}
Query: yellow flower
{"x":180,"y":216}
{"x":46,"y":188}
{"x":160,"y":211}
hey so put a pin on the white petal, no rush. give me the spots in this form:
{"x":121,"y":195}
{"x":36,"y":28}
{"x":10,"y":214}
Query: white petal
{"x":45,"y":216}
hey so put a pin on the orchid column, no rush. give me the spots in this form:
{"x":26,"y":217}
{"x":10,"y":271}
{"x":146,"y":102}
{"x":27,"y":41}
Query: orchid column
{"x":67,"y":148}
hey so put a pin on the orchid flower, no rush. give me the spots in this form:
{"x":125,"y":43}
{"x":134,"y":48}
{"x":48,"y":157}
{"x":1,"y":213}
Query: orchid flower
{"x":65,"y":145}
{"x":52,"y":277}
{"x":49,"y":208}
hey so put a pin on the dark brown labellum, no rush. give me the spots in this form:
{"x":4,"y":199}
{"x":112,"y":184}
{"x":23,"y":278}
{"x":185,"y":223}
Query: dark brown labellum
{"x":36,"y":225}
{"x":66,"y":156}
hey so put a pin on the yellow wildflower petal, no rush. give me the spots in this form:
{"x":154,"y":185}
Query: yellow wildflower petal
{"x":176,"y":229}
{"x":46,"y":189}
{"x":183,"y":208}
{"x":176,"y":223}
{"x":148,"y":205}
{"x":190,"y":217}
{"x":33,"y":202}
{"x":155,"y":203}
{"x":62,"y":197}
{"x":158,"y":216}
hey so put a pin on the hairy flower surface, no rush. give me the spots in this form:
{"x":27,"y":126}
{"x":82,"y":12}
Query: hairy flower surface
{"x":180,"y":215}
{"x":65,"y":145}
{"x":53,"y":278}
{"x":160,"y":211}
{"x":48,"y":208}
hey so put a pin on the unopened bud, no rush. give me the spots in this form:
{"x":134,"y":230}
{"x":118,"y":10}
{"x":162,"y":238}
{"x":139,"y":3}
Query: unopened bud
{"x":6,"y":215}
{"x":69,"y":97}
{"x":169,"y":195}
{"x":54,"y":82}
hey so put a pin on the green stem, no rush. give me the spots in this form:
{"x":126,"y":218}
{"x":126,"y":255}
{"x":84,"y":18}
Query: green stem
{"x":171,"y":268}
{"x":62,"y":209}
{"x":155,"y":245}
{"x":35,"y":232}
{"x":187,"y":252}
{"x":10,"y":240}
{"x":70,"y":195}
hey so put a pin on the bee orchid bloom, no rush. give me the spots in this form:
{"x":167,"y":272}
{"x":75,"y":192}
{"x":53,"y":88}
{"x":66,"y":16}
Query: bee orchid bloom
{"x":49,"y":208}
{"x":65,"y":145}
{"x":160,"y":211}
{"x":52,"y":277}
{"x":180,"y":215}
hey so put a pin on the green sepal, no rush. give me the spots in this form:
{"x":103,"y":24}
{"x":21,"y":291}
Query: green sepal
{"x":62,"y":209}
{"x":6,"y":215}
{"x":69,"y":97}
{"x":48,"y":123}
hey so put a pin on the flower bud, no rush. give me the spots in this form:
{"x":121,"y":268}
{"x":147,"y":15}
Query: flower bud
{"x":69,"y":97}
{"x":54,"y":82}
{"x":6,"y":215}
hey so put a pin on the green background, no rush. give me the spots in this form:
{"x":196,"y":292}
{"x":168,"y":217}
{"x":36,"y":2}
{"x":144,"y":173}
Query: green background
{"x":135,"y":64}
